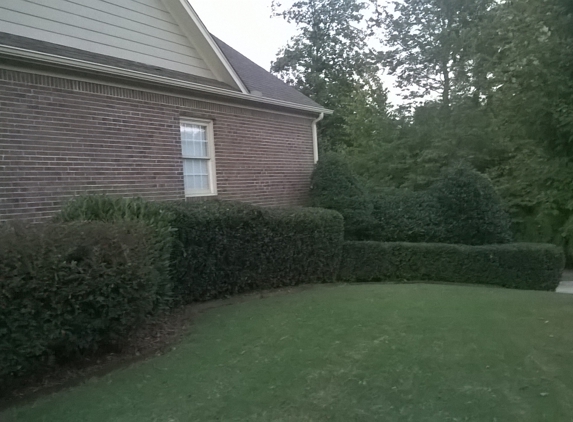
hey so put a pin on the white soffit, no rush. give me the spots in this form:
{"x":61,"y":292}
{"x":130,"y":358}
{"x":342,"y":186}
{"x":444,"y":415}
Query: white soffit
{"x":199,"y":36}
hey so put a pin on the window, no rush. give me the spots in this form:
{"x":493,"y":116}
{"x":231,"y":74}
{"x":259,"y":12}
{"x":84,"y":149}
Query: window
{"x":198,"y":158}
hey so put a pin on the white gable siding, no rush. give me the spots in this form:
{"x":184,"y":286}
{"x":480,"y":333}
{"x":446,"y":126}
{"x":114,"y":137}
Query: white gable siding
{"x":139,"y":30}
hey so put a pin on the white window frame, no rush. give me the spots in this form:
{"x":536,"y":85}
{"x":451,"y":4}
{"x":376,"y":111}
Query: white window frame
{"x":211,"y":168}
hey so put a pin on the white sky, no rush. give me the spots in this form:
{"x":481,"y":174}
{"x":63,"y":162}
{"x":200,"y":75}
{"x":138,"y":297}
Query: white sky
{"x":247,"y":26}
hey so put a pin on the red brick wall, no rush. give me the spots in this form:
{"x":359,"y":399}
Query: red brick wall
{"x":60,"y":138}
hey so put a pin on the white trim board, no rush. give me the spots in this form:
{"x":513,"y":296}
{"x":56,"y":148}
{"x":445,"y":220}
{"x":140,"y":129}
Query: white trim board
{"x":75,"y":64}
{"x":198,"y":34}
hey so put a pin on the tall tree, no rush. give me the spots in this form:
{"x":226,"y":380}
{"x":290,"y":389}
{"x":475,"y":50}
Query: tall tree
{"x":429,"y":46}
{"x":530,"y":71}
{"x":330,"y":61}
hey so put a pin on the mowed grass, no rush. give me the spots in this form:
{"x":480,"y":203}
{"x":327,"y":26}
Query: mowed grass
{"x":349,"y":353}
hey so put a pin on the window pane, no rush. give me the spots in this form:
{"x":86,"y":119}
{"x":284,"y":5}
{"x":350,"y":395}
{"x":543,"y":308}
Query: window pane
{"x":187,"y":167}
{"x":196,"y":175}
{"x":196,"y":158}
{"x":194,"y":141}
{"x":201,"y":182}
{"x":203,"y":168}
{"x":186,"y":148}
{"x":204,"y":152}
{"x":189,"y":183}
{"x":205,"y":182}
{"x":200,"y":133}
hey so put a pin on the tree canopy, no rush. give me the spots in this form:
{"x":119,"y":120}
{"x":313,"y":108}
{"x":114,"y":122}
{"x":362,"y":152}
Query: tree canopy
{"x":487,"y":82}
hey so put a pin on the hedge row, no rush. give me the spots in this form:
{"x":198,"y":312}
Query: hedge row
{"x":69,"y":288}
{"x":461,"y":207}
{"x":109,"y":263}
{"x":222,"y":248}
{"x":517,"y":265}
{"x":225,"y":248}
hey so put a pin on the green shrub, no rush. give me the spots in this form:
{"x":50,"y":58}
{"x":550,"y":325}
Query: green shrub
{"x":516,"y":265}
{"x":471,"y":210}
{"x":461,"y":207}
{"x":334,"y":186}
{"x":225,"y":248}
{"x":221,"y":248}
{"x":115,"y":209}
{"x":69,"y":288}
{"x":406,"y":216}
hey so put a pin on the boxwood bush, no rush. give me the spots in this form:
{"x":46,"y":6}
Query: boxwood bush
{"x":225,"y":248}
{"x":117,"y":209}
{"x":516,"y":265}
{"x":470,"y":209}
{"x":69,"y":288}
{"x":219,"y":248}
{"x":334,"y":186}
{"x":403,"y":215}
{"x":461,"y":207}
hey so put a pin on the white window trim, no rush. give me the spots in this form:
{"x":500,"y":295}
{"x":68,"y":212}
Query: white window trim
{"x":210,"y":161}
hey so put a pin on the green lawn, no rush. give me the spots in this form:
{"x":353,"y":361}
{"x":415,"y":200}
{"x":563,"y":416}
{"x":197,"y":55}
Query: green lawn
{"x":349,"y":353}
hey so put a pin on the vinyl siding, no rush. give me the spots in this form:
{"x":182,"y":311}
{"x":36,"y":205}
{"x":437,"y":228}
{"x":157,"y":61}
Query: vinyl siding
{"x":139,"y":30}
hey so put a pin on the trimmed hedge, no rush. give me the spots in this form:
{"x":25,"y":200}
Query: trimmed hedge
{"x":116,"y":209}
{"x":69,"y":288}
{"x":224,"y":248}
{"x":405,"y":216}
{"x":517,"y":265}
{"x":461,"y":207}
{"x":334,"y":186}
{"x":470,"y":208}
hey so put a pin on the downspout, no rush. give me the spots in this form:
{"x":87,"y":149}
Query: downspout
{"x":315,"y":137}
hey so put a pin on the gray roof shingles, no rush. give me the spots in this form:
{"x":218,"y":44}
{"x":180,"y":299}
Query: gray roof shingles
{"x":254,"y":77}
{"x":78,"y":54}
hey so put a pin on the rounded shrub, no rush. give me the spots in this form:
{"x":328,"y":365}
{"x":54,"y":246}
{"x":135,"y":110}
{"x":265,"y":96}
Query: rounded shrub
{"x":334,"y":186}
{"x":470,"y":208}
{"x":117,"y":209}
{"x":69,"y":288}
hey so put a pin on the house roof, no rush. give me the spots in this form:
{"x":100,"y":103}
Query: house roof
{"x":32,"y":44}
{"x":192,"y":58}
{"x":258,"y":79}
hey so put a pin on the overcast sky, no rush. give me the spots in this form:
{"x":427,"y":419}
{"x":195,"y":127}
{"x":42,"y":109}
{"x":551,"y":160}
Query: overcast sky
{"x":247,"y":26}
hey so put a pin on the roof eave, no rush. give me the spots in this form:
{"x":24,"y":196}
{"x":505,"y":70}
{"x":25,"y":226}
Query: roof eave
{"x":197,"y":33}
{"x":61,"y":61}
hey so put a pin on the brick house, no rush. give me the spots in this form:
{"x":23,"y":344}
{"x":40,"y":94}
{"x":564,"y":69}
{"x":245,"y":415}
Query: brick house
{"x":137,"y":98}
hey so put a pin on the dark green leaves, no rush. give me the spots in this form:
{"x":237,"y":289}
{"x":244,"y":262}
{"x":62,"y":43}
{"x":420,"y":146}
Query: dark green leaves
{"x":516,"y":265}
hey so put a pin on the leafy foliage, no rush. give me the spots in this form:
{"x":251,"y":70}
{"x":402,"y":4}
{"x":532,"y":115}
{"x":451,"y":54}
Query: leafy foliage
{"x":70,"y":288}
{"x":406,"y":216}
{"x":330,"y":61}
{"x":494,"y":88}
{"x":117,"y":209}
{"x":334,"y":186}
{"x":516,"y":265}
{"x":222,"y":248}
{"x":461,"y":207}
{"x":226,"y":248}
{"x":537,"y":190}
{"x":470,"y":208}
{"x":429,"y":47}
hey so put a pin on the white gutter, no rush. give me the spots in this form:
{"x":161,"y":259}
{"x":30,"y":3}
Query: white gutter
{"x":81,"y":64}
{"x":315,"y":137}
